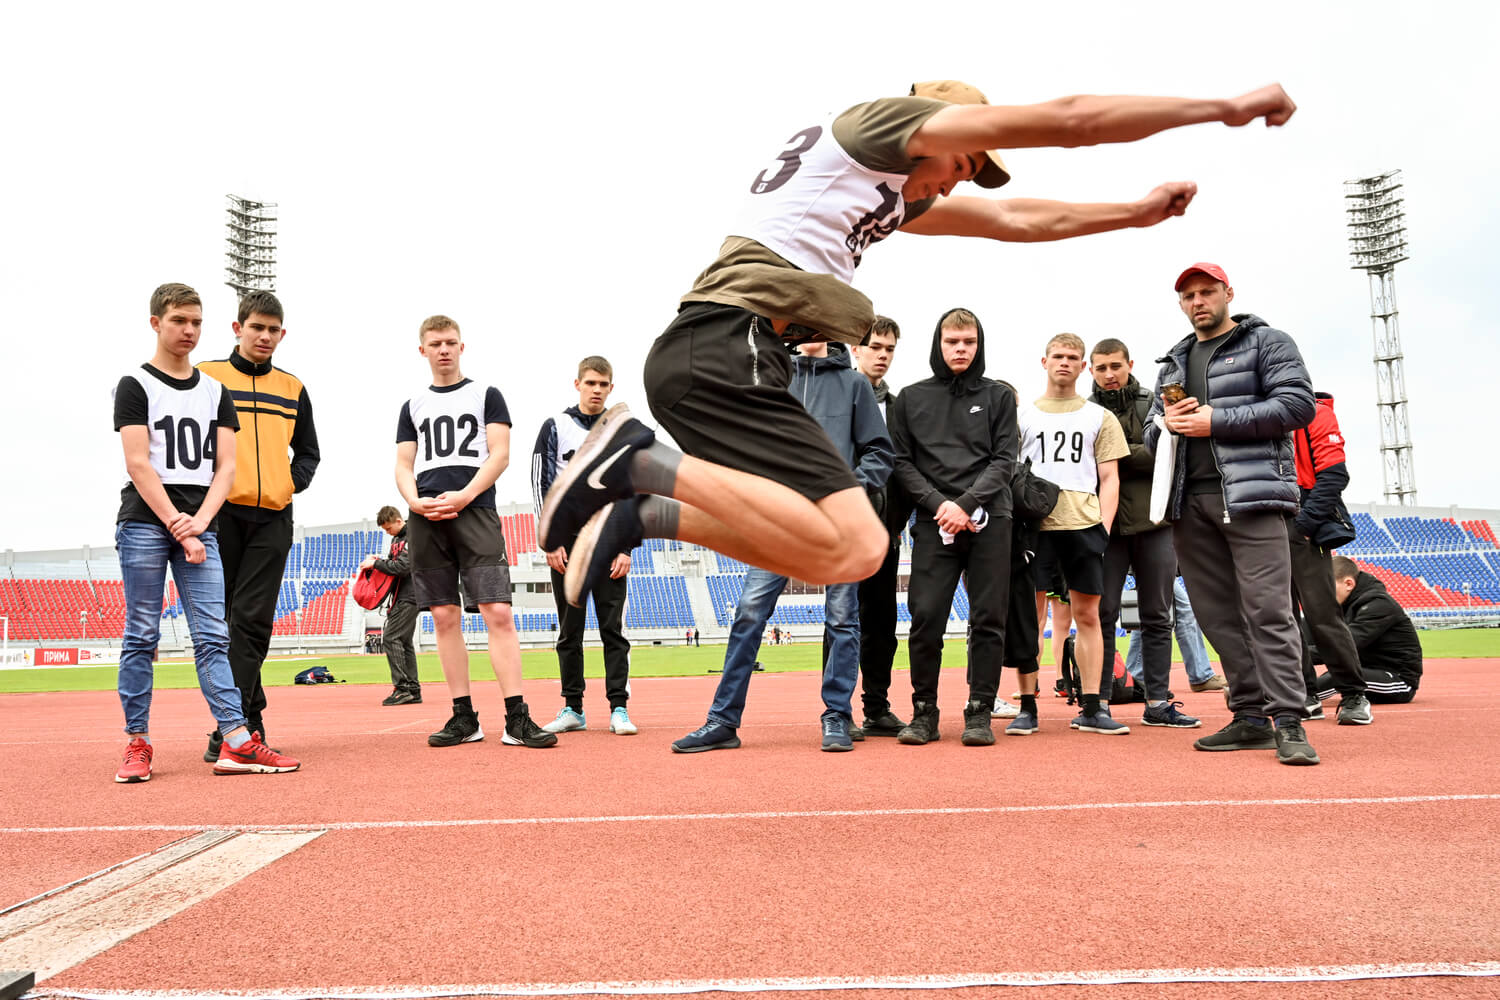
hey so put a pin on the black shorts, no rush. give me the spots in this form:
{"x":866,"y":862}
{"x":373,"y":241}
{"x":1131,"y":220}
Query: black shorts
{"x":717,"y":382}
{"x":468,"y":547}
{"x":1077,"y":557}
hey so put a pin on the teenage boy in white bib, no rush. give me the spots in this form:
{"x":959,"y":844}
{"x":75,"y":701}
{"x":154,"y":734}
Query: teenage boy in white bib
{"x":176,"y":428}
{"x":452,"y":443}
{"x":1076,"y":444}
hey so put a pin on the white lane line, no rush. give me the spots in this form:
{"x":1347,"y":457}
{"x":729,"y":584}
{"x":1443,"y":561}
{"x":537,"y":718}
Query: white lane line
{"x":413,"y":824}
{"x":72,"y":934}
{"x":797,"y":984}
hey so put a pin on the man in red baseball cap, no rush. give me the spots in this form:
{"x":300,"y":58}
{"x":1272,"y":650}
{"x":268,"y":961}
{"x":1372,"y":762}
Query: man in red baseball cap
{"x":1234,"y":485}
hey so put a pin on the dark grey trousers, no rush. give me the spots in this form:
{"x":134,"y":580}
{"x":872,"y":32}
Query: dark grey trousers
{"x":1154,"y":560}
{"x":1239,"y":580}
{"x":400,"y":624}
{"x":1312,"y":589}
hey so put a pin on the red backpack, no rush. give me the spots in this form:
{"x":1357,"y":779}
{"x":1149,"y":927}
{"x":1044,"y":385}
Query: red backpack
{"x":371,"y":587}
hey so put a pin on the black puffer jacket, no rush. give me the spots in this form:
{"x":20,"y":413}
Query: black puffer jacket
{"x":1260,"y":393}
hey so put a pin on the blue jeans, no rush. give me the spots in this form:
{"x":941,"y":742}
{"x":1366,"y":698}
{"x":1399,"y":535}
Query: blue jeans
{"x":1189,"y":640}
{"x":146,"y":550}
{"x":757,"y":602}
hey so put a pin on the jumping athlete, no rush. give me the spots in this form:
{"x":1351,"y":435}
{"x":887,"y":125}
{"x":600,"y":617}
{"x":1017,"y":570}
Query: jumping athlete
{"x":756,"y":478}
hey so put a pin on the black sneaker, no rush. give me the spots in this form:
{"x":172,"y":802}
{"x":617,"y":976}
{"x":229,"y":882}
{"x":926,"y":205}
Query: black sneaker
{"x":1167,"y":715}
{"x":463,"y":727}
{"x":1240,"y":734}
{"x":1313,"y":712}
{"x":215,"y":744}
{"x":521,"y":731}
{"x":390,"y":699}
{"x":887,"y":723}
{"x":613,"y":529}
{"x":709,"y":736}
{"x":978,"y":730}
{"x":1354,"y":710}
{"x":856,"y":733}
{"x":923,"y":727}
{"x":1291,"y":743}
{"x":598,"y":472}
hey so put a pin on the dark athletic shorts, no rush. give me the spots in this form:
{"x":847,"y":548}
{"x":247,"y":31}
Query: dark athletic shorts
{"x":471,"y":547}
{"x":717,"y":382}
{"x":1076,"y":556}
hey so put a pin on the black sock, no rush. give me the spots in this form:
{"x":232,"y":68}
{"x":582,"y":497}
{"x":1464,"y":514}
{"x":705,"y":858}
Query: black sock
{"x":658,"y":516}
{"x":513,"y":705}
{"x":464,"y":704}
{"x":1028,"y":703}
{"x":654,"y":469}
{"x":1091,"y":704}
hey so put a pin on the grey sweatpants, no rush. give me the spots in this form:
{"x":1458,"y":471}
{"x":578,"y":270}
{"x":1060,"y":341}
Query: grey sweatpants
{"x":1239,"y":580}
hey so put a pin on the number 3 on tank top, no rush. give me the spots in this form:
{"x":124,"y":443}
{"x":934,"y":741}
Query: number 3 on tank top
{"x":1061,"y":439}
{"x":788,"y":161}
{"x":439,"y":435}
{"x":186,"y":444}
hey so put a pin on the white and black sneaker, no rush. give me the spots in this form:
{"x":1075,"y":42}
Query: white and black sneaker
{"x":598,"y":473}
{"x":614,"y":529}
{"x":522,"y":731}
{"x":463,"y":727}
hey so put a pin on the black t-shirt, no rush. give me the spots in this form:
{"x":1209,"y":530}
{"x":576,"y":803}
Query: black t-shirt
{"x":1202,"y":471}
{"x":133,"y":408}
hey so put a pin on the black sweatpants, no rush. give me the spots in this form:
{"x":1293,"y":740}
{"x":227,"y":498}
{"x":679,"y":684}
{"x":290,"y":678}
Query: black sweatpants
{"x":1240,"y":583}
{"x":254,"y":557}
{"x":609,"y":606}
{"x":984,"y":558}
{"x":1386,"y":687}
{"x":1155,"y":562}
{"x":877,"y":634}
{"x":400,"y":651}
{"x":1317,"y":606}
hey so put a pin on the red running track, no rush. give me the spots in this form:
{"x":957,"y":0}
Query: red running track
{"x":609,"y":858}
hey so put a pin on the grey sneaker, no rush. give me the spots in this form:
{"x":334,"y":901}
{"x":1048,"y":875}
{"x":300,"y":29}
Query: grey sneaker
{"x":836,"y":733}
{"x":1024,"y":724}
{"x":1291,"y":743}
{"x":566,"y":722}
{"x":1354,"y":710}
{"x":978,"y":730}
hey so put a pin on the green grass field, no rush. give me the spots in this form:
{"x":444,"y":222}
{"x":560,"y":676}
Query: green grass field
{"x":645,"y":661}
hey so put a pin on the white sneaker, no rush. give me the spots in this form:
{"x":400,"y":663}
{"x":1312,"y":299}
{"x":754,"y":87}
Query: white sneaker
{"x":567,"y":720}
{"x":620,"y":724}
{"x":1004,"y":710}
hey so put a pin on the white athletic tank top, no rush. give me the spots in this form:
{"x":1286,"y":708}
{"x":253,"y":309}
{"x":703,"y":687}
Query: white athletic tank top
{"x":818,"y":208}
{"x":569,"y":437}
{"x":1061,"y":445}
{"x":183,"y":424}
{"x":450,"y":429}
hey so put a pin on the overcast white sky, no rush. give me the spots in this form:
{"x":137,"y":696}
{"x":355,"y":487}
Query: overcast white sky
{"x":554,"y":177}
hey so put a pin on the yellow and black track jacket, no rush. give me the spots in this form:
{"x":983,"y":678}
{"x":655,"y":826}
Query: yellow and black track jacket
{"x":276,"y":447}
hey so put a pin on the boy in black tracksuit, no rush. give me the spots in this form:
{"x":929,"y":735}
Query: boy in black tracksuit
{"x":401,"y":611}
{"x":956,"y":444}
{"x":1390,"y":654}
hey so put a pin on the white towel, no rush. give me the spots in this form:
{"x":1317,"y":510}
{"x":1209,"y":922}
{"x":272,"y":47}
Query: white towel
{"x":1161,"y":473}
{"x":976,"y":523}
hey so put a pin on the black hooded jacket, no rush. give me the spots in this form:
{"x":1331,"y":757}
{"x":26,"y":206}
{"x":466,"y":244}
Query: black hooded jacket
{"x":955,"y":437}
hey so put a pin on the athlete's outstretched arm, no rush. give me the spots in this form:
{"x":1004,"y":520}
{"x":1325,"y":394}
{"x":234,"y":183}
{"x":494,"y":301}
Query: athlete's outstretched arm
{"x":1035,"y":220}
{"x":1087,"y":120}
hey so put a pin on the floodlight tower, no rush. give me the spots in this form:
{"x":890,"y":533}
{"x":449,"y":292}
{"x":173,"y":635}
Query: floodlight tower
{"x":1377,"y":243}
{"x":251,"y":254}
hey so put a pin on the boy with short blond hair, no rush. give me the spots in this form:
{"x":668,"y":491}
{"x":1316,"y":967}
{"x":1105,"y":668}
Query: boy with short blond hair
{"x":452,"y":443}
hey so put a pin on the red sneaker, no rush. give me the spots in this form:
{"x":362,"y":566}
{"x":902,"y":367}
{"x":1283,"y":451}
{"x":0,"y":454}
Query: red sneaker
{"x":253,"y":758}
{"x":137,"y":766}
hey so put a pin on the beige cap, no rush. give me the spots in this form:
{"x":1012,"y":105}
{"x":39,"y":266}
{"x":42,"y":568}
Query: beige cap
{"x":993,"y":174}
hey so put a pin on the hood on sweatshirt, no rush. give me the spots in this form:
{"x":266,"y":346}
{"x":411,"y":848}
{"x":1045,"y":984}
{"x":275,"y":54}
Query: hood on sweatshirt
{"x":969,"y":380}
{"x":837,"y":357}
